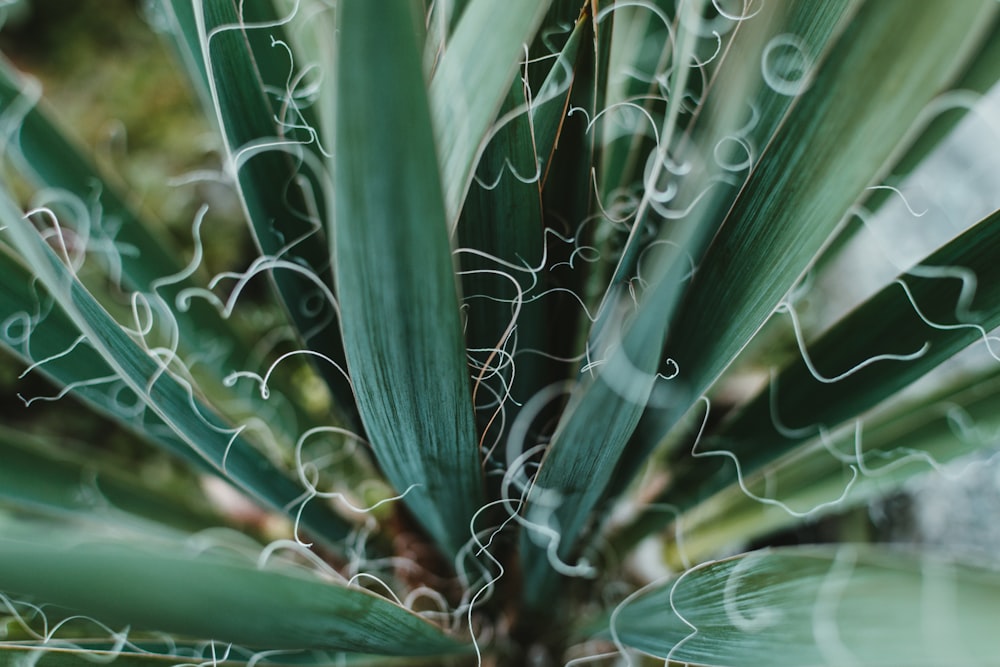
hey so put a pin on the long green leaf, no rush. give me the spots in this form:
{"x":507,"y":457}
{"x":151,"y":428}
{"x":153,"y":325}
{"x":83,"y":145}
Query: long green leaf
{"x":818,"y":606}
{"x":762,"y":432}
{"x":394,"y":270}
{"x":815,"y":27}
{"x":929,"y":314}
{"x":15,"y":655}
{"x":468,"y":89}
{"x":41,"y":335}
{"x":608,"y":400}
{"x":563,"y":207}
{"x":196,"y":425}
{"x":50,"y":160}
{"x":604,"y":409}
{"x":500,"y":228}
{"x":176,"y":19}
{"x":552,"y":99}
{"x":78,"y":652}
{"x":166,"y":587}
{"x":138,"y":259}
{"x":830,"y":146}
{"x":277,"y":166}
{"x":37,"y":476}
{"x":770,"y":58}
{"x":817,"y":479}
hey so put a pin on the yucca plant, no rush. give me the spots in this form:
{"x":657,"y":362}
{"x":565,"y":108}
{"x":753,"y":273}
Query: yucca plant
{"x":527,"y":254}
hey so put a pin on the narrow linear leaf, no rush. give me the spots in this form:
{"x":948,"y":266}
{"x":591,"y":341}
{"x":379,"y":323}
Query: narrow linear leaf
{"x":41,"y":478}
{"x":501,"y":227}
{"x":565,"y":137}
{"x":551,"y":102}
{"x":137,"y":258}
{"x":195,"y":424}
{"x":603,"y":411}
{"x":76,"y":652}
{"x":818,"y":606}
{"x":206,"y":595}
{"x":930,"y":313}
{"x":816,"y":479}
{"x":16,"y":655}
{"x":782,"y":438}
{"x":467,"y":89}
{"x":278,"y":169}
{"x":41,"y":335}
{"x":643,"y":45}
{"x":394,"y":269}
{"x":606,"y":404}
{"x":47,"y":157}
{"x":563,"y":150}
{"x":770,"y":60}
{"x":51,"y":160}
{"x":830,"y":146}
{"x":176,"y":19}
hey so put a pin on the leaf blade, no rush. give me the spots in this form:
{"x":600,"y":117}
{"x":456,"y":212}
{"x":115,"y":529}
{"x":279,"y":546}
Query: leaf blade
{"x":842,"y":129}
{"x":42,"y":478}
{"x":169,"y":587}
{"x":196,"y":426}
{"x":801,"y":399}
{"x":394,"y":271}
{"x":818,"y":605}
{"x":276,"y":163}
{"x":467,"y":90}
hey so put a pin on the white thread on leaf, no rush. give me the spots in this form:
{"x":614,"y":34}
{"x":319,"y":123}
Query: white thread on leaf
{"x":986,"y":337}
{"x":761,"y":499}
{"x":786,"y":66}
{"x":807,"y":360}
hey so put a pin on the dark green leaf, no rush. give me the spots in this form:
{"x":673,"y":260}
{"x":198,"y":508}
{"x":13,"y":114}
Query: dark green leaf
{"x":395,"y":275}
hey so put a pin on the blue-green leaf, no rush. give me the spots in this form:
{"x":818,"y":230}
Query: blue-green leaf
{"x":395,"y":274}
{"x":169,"y":587}
{"x":467,"y":89}
{"x":196,"y":426}
{"x":832,"y":144}
{"x":818,"y":606}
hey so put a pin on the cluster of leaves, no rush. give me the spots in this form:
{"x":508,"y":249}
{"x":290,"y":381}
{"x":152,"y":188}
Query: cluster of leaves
{"x":520,"y":248}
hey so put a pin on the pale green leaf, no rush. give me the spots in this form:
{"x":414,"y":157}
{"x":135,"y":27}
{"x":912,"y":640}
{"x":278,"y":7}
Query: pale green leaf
{"x":823,"y":477}
{"x":206,"y":595}
{"x":818,"y":606}
{"x":930,"y":313}
{"x":39,"y":477}
{"x":781,"y":438}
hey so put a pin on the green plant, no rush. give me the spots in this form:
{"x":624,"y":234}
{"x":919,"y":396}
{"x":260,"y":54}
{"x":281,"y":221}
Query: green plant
{"x":537,"y":265}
